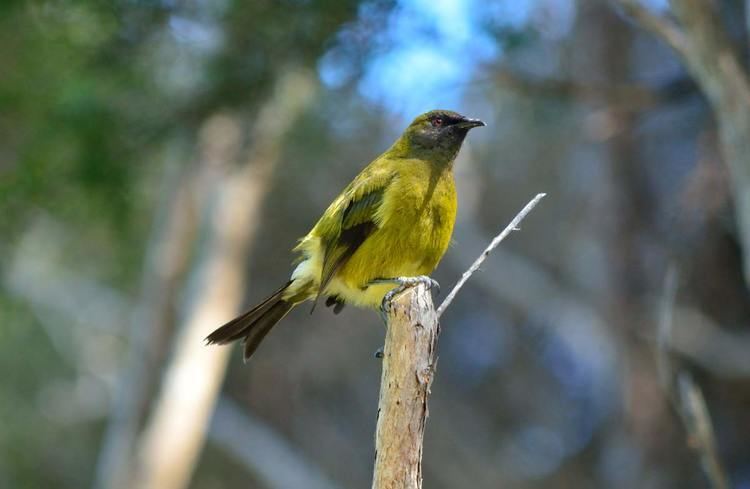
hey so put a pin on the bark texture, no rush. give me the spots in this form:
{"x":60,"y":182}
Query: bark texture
{"x":408,"y":367}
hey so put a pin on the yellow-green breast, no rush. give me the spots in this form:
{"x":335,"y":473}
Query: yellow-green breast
{"x":416,"y":221}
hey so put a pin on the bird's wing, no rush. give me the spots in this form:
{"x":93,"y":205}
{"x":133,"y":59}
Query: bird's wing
{"x":355,"y":218}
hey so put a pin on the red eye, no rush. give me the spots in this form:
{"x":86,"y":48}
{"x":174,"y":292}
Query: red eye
{"x":437,"y":122}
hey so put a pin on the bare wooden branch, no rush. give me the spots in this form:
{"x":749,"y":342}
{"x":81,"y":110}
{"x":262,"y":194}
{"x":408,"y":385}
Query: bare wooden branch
{"x":513,"y":226}
{"x":697,"y":421}
{"x":408,"y":368}
{"x":409,"y":363}
{"x":685,"y":395}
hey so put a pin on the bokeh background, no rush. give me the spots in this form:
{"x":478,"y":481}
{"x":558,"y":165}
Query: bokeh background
{"x":159,"y":158}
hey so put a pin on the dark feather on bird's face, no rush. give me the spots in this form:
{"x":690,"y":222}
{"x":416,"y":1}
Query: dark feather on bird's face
{"x":440,"y":130}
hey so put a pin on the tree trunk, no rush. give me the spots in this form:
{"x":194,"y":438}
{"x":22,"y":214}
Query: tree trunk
{"x":710,"y":56}
{"x":167,"y":260}
{"x":174,"y":436}
{"x":408,"y":367}
{"x":700,"y":39}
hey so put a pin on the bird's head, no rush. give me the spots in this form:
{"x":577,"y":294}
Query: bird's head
{"x":440,"y":132}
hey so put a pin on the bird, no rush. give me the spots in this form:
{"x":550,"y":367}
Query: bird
{"x":387,"y":230}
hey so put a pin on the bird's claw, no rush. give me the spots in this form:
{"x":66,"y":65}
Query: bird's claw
{"x":428,"y":282}
{"x":403,"y":284}
{"x":433,"y":285}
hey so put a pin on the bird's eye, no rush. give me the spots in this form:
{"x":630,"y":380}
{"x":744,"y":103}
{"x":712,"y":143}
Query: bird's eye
{"x":437,"y":122}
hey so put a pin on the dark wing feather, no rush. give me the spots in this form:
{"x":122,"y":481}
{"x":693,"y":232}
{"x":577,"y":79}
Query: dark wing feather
{"x":357,"y":223}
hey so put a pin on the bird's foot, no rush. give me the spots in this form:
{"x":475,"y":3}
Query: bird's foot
{"x":403,"y":284}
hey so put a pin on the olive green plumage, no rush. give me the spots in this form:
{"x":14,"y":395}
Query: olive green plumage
{"x":395,"y":219}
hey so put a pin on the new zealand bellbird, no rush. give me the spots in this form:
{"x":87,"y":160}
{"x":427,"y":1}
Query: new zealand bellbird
{"x":393,"y":221}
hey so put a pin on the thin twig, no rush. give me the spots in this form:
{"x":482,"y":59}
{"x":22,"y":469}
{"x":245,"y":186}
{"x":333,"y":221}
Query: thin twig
{"x":513,"y":226}
{"x":665,"y":28}
{"x":408,"y":370}
{"x":664,"y":328}
{"x":700,"y":431}
{"x":686,"y":396}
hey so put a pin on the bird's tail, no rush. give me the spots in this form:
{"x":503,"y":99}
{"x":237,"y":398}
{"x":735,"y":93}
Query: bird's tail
{"x":255,"y":324}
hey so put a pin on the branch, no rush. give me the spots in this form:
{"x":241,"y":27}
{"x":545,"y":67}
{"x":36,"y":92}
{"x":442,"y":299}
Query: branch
{"x":633,"y":97}
{"x":409,"y":363}
{"x":697,"y":420}
{"x":408,"y":368}
{"x":661,"y":26}
{"x":684,"y":393}
{"x":513,"y":226}
{"x":708,"y":54}
{"x":664,"y":329}
{"x":720,"y":352}
{"x":626,"y":96}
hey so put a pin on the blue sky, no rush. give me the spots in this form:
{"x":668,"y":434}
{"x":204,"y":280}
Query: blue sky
{"x":434,"y":48}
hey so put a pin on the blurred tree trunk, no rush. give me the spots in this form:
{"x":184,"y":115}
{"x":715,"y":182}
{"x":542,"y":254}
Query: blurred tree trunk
{"x":720,"y":74}
{"x":697,"y":33}
{"x":172,"y":440}
{"x":167,"y":259}
{"x":700,"y":38}
{"x":628,"y":231}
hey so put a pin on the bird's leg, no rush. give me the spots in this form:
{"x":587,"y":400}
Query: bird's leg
{"x":402,"y":284}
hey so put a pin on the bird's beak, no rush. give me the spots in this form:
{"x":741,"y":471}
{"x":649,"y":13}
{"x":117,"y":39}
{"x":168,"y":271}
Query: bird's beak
{"x":469,"y":123}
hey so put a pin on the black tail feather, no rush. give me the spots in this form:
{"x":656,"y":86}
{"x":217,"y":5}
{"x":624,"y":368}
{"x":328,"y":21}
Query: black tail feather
{"x":263,"y":325}
{"x":253,"y":325}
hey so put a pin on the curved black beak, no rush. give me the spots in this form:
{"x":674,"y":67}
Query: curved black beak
{"x":470,"y":123}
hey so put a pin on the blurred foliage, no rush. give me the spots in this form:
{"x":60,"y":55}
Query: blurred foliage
{"x":546,"y":376}
{"x":87,"y":108}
